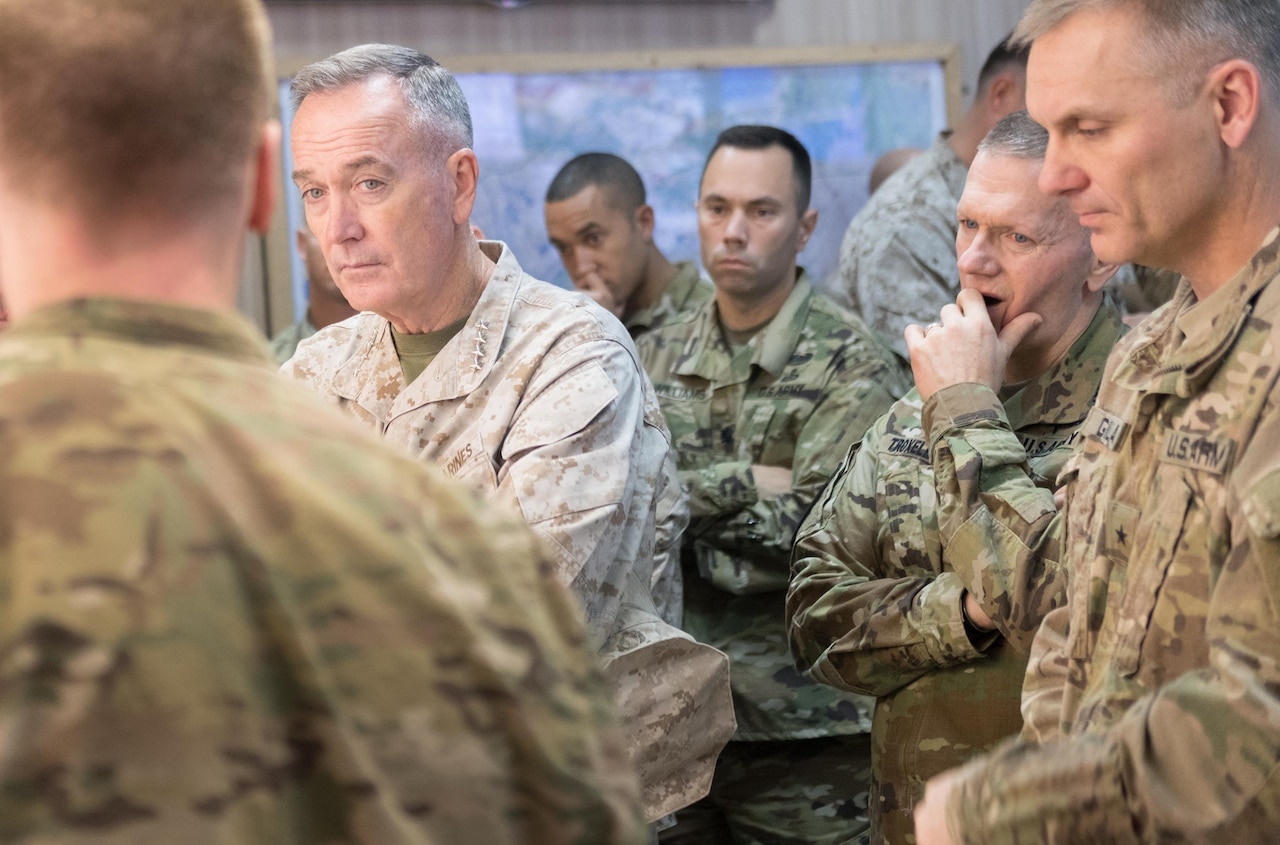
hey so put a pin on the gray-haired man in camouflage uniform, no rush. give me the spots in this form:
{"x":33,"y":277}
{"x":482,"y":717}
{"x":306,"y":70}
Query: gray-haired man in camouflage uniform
{"x":227,"y":614}
{"x":764,"y":388}
{"x":875,"y":606}
{"x":897,"y":257}
{"x":1152,"y":699}
{"x":528,"y":393}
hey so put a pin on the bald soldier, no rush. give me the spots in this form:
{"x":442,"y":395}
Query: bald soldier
{"x":877,"y":605}
{"x":227,"y":614}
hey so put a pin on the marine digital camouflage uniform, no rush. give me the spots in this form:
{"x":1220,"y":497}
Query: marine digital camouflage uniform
{"x":796,"y":396}
{"x":229,"y":616}
{"x":875,"y":608}
{"x":539,"y":402}
{"x":898,"y":256}
{"x":1153,"y":696}
{"x":685,"y":292}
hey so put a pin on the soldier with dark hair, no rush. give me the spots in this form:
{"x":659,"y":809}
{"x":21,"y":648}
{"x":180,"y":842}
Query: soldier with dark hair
{"x":600,"y":224}
{"x":764,"y":387}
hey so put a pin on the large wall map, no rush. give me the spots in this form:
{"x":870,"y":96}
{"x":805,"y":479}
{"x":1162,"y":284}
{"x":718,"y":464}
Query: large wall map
{"x":664,"y":121}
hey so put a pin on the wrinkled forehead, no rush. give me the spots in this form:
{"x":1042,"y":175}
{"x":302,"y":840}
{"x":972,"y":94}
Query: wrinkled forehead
{"x":1004,"y":190}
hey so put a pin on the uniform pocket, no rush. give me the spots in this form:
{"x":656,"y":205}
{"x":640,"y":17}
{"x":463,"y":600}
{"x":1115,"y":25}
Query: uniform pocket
{"x":1153,"y":548}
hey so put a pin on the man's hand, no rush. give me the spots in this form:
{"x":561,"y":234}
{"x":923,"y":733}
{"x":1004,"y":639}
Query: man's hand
{"x":593,"y":286}
{"x":963,"y":346}
{"x":931,"y":812}
{"x":977,"y":616}
{"x":771,"y":482}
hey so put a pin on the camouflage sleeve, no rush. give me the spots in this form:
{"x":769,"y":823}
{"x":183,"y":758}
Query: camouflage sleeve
{"x":720,"y":488}
{"x":1193,"y":760}
{"x":1044,"y":684}
{"x":667,"y":583}
{"x":573,"y":457}
{"x":1000,"y":532}
{"x":900,"y":280}
{"x":850,"y":626}
{"x":760,"y":534}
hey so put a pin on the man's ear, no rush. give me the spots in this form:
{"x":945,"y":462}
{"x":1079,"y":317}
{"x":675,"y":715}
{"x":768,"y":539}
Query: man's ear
{"x":263,"y":199}
{"x":1005,"y":94}
{"x":464,"y":169}
{"x":1099,"y":274}
{"x":644,"y":219}
{"x":808,"y":221}
{"x":1236,"y":89}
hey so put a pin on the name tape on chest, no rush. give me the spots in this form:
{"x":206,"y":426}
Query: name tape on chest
{"x":681,"y":393}
{"x":1106,"y":428}
{"x":1198,"y":451}
{"x":913,"y":446}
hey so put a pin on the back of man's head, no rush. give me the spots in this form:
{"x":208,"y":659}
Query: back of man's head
{"x":435,"y":100}
{"x":117,"y":109}
{"x":1003,"y":58}
{"x":616,"y":178}
{"x":1182,"y":39}
{"x":754,"y":137}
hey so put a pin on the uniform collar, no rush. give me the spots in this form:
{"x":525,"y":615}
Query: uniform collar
{"x":1065,"y":392}
{"x":372,"y":377}
{"x":149,"y":323}
{"x":1180,"y":347}
{"x":671,"y":301}
{"x":706,"y":355}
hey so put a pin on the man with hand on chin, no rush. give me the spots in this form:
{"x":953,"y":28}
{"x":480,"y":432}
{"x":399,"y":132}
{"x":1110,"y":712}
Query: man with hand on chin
{"x":885,"y":598}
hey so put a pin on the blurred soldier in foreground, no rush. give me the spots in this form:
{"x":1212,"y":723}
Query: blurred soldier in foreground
{"x":526,"y":392}
{"x":877,"y":605}
{"x":764,"y":388}
{"x":1152,"y":697}
{"x":226,"y":614}
{"x":600,"y":224}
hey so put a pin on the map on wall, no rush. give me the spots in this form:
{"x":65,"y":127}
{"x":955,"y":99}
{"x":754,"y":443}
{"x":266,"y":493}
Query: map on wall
{"x":663,"y":121}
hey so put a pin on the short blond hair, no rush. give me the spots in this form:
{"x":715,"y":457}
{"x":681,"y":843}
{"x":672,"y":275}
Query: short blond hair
{"x":112,"y":107}
{"x":1182,"y":39}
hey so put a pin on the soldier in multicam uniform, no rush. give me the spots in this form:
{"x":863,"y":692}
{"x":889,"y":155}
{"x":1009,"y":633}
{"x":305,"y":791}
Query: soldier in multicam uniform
{"x":228,"y":615}
{"x":528,"y":393}
{"x":874,"y":605}
{"x":897,"y":259}
{"x":600,"y":224}
{"x":763,"y":388}
{"x":1153,"y":694}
